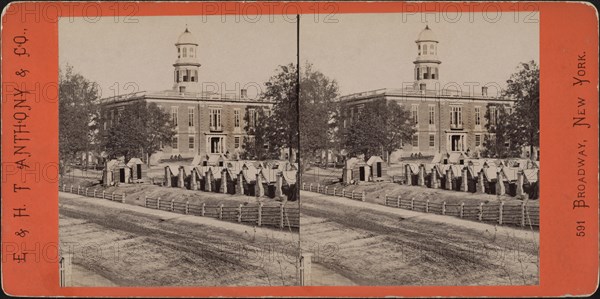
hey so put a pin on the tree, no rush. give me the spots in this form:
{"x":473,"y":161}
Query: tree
{"x":138,"y":131}
{"x":378,"y":128}
{"x":281,"y":90}
{"x":521,"y":128}
{"x":256,"y":146}
{"x":318,"y":111}
{"x":77,"y":114}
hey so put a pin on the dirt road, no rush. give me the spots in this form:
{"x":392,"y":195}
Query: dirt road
{"x":363,"y":243}
{"x":125,"y":245}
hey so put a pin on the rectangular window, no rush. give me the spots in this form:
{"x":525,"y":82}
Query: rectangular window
{"x":236,"y":141}
{"x":236,"y":118}
{"x":431,"y":115}
{"x":174,"y":113}
{"x":456,"y":116}
{"x":415,"y":113}
{"x":492,"y":115}
{"x":215,"y":118}
{"x":191,"y":116}
{"x":415,"y":140}
{"x":191,"y":142}
{"x":477,"y":139}
{"x":175,"y":142}
{"x":251,"y":118}
{"x":477,"y":116}
{"x":431,"y":140}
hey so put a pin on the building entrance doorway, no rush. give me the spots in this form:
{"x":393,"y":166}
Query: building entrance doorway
{"x":456,"y":143}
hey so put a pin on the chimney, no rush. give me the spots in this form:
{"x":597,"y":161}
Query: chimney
{"x":243,"y":93}
{"x":484,"y":91}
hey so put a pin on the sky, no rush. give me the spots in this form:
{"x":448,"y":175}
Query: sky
{"x":360,"y":51}
{"x":114,"y":54}
{"x":370,"y":51}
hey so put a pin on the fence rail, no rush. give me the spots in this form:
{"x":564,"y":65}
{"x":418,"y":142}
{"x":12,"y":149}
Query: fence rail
{"x":89,"y":192}
{"x":521,"y":214}
{"x":280,"y":216}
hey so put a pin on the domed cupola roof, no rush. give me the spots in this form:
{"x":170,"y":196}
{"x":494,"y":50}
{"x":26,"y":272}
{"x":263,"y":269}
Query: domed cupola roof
{"x":427,"y":35}
{"x":186,"y":38}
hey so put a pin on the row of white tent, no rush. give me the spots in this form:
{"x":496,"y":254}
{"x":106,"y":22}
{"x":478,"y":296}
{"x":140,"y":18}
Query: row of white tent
{"x":221,"y":160}
{"x":234,"y":177}
{"x":477,"y":175}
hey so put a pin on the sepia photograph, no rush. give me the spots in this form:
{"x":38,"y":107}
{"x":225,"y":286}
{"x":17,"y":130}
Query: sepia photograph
{"x":420,"y":149}
{"x":178,"y":152}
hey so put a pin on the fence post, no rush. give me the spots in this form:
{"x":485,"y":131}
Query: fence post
{"x":343,"y":192}
{"x":281,"y":206}
{"x":304,"y":186}
{"x":500,"y":212}
{"x":221,"y":211}
{"x":203,"y":209}
{"x":310,"y":187}
{"x":427,"y":206}
{"x":103,"y":194}
{"x":86,"y":191}
{"x":412,"y":203}
{"x":94,"y":193}
{"x":145,"y":201}
{"x":480,"y":211}
{"x":112,"y":196}
{"x":240,"y":213}
{"x":172,"y":205}
{"x":318,"y":187}
{"x":363,"y":196}
{"x":444,"y":208}
{"x":187,"y":207}
{"x":325,"y":190}
{"x":523,"y":214}
{"x":334,"y":189}
{"x":71,"y":189}
{"x":158,"y":203}
{"x":399,"y":202}
{"x":123,"y":197}
{"x":78,"y":189}
{"x":462,"y":209}
{"x":352,"y":195}
{"x":385,"y":202}
{"x":260,"y":205}
{"x":64,"y":187}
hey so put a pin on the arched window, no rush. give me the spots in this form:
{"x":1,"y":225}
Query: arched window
{"x":191,"y":52}
{"x":184,"y":52}
{"x":424,"y":50}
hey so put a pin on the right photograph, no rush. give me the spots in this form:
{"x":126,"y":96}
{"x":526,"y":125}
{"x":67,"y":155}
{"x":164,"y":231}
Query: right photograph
{"x":419,"y":145}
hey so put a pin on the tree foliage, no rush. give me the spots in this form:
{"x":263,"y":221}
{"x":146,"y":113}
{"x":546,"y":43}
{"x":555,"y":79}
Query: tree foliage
{"x":318,"y":112}
{"x":138,"y":130}
{"x":77,"y":114}
{"x":513,"y":131}
{"x":379,"y":128}
{"x":279,"y":130}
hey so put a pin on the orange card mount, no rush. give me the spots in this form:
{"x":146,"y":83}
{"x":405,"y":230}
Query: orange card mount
{"x":95,"y":218}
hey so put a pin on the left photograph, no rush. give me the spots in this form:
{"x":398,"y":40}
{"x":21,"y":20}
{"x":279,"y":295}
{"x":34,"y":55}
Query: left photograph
{"x":178,"y":142}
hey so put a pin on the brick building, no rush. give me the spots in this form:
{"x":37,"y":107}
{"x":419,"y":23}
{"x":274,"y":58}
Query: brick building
{"x":206,"y":122}
{"x":447,"y":120}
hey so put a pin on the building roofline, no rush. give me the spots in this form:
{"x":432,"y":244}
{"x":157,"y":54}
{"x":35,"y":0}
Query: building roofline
{"x":413,"y":93}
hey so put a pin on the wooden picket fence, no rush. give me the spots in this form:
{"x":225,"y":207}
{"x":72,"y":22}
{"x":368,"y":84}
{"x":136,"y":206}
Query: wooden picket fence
{"x":327,"y":190}
{"x":521,"y":214}
{"x":259,"y":215}
{"x":95,"y":193}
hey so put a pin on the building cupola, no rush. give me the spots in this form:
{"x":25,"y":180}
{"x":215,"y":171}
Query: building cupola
{"x":187,"y":64}
{"x":427,"y":62}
